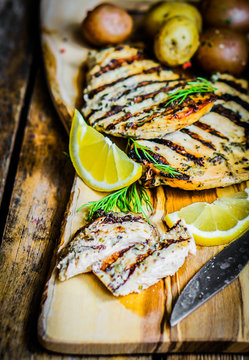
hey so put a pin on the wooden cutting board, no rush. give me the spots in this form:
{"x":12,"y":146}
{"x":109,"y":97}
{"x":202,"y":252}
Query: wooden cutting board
{"x":79,"y":315}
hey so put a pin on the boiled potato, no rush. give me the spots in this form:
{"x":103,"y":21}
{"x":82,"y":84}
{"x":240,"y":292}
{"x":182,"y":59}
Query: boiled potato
{"x":177,"y":41}
{"x":107,"y":24}
{"x":233,"y":14}
{"x":164,"y":11}
{"x":223,"y":50}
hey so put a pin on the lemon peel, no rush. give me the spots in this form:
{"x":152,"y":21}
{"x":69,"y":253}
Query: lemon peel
{"x":97,"y":160}
{"x":217,"y":223}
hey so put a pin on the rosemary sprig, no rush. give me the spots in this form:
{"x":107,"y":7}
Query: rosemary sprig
{"x":194,"y":87}
{"x":145,"y":150}
{"x":130,"y":198}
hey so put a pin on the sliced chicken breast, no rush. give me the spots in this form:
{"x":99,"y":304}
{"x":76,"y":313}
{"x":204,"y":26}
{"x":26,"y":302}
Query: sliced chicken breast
{"x":110,"y":233}
{"x":141,"y":265}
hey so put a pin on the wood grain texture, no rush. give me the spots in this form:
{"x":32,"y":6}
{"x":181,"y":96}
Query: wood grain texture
{"x":38,"y":201}
{"x":72,"y":322}
{"x":15,"y":59}
{"x":204,"y":357}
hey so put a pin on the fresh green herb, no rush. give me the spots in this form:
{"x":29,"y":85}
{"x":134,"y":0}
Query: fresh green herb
{"x":145,"y":150}
{"x":66,"y":154}
{"x":199,"y":86}
{"x":227,"y":21}
{"x":130,"y":198}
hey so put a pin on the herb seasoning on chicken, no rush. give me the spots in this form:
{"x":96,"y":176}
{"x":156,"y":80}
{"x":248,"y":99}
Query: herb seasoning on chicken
{"x":214,"y":151}
{"x":110,"y":233}
{"x":127,"y":95}
{"x":142,"y":265}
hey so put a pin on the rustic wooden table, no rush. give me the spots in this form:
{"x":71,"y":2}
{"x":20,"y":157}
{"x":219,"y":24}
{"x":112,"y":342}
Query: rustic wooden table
{"x":36,"y":179}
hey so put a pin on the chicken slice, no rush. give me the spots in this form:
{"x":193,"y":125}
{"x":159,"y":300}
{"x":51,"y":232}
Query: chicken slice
{"x":110,"y":233}
{"x":141,"y":265}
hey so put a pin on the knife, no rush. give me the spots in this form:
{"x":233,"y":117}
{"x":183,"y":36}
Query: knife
{"x":214,"y":276}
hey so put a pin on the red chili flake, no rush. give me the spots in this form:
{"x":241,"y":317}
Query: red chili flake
{"x":187,"y":65}
{"x":62,"y":51}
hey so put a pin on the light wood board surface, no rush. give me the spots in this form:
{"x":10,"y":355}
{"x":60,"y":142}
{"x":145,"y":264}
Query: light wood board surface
{"x":80,"y":316}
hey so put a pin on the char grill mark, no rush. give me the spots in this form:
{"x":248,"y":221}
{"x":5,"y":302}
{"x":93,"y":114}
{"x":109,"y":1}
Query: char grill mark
{"x":186,"y":108}
{"x":234,"y":85}
{"x":236,"y":99}
{"x":159,"y":160}
{"x":154,"y":69}
{"x":198,"y":138}
{"x":117,"y":63}
{"x":180,"y":150}
{"x":210,"y":130}
{"x":137,"y":99}
{"x":116,"y":109}
{"x":128,"y":271}
{"x":234,"y":116}
{"x":172,"y":111}
{"x":157,"y":157}
{"x":141,"y":84}
{"x":111,"y":218}
{"x":107,"y":263}
{"x":228,"y":113}
{"x":140,"y":98}
{"x":126,"y":274}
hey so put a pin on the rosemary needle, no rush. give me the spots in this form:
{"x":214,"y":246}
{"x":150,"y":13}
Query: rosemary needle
{"x":200,"y":86}
{"x":145,"y":150}
{"x":130,"y":198}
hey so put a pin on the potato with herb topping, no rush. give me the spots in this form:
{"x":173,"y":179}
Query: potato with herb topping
{"x":223,"y":50}
{"x":177,"y":41}
{"x":164,"y":11}
{"x":232,"y":14}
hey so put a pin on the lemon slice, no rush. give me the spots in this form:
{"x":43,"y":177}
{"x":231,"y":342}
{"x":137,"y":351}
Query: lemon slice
{"x":217,"y":223}
{"x":97,"y":160}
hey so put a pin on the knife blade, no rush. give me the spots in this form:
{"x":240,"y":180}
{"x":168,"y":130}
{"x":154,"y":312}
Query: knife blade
{"x":214,"y":276}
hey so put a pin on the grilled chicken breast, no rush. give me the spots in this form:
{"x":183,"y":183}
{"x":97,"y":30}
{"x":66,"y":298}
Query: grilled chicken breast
{"x":141,"y":265}
{"x":110,"y":233}
{"x":212,"y":152}
{"x":126,"y":95}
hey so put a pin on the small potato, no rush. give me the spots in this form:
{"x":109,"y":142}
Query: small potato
{"x":164,"y":11}
{"x":107,"y":24}
{"x":177,"y":41}
{"x":232,"y":14}
{"x":223,"y":50}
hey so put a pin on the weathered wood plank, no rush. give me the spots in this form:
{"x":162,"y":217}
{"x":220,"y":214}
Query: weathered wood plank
{"x":204,"y":357}
{"x":39,"y":197}
{"x":16,"y":43}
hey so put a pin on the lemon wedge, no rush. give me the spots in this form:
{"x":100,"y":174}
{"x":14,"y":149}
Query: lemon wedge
{"x":97,"y":160}
{"x":217,"y":223}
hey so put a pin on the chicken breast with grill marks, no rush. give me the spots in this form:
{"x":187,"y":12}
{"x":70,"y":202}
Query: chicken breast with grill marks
{"x":141,"y":265}
{"x":126,"y":95}
{"x":212,"y":152}
{"x":108,"y":234}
